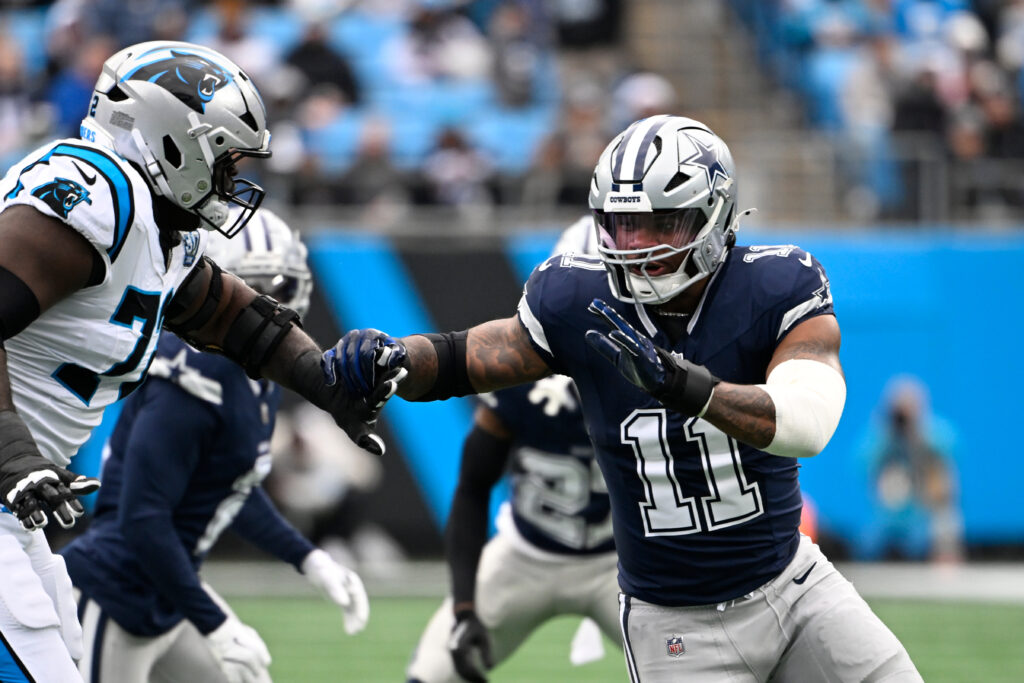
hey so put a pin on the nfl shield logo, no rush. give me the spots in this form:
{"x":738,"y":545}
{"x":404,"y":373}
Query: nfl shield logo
{"x":674,"y":645}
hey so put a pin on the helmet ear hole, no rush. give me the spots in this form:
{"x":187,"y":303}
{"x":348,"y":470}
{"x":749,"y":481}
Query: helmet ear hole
{"x":677,"y":180}
{"x":171,"y":152}
{"x":115,"y":94}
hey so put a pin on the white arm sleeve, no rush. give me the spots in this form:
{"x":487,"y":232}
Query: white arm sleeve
{"x":809,"y":396}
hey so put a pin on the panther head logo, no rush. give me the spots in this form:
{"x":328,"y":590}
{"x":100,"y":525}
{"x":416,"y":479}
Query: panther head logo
{"x":191,"y":78}
{"x":62,"y":195}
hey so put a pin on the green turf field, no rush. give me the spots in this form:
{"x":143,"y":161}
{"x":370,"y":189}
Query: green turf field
{"x":950,"y":642}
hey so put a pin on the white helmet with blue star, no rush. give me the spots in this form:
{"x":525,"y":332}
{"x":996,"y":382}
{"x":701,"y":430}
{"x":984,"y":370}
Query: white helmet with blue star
{"x":664,"y":187}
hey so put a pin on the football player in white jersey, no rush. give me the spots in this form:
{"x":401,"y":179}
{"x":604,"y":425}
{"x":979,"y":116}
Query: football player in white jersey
{"x":101,"y":246}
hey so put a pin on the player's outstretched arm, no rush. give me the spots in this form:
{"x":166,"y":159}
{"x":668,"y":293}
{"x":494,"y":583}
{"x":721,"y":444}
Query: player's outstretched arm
{"x":793,"y":414}
{"x":42,"y":261}
{"x":489,"y":356}
{"x":216,"y":311}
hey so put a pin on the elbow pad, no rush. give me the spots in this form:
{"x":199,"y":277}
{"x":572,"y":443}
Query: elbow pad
{"x":257,"y":332}
{"x":809,"y":396}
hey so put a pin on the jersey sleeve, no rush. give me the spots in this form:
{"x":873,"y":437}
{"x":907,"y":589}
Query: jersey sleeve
{"x":81,"y":185}
{"x":800,"y":290}
{"x":553,"y":308}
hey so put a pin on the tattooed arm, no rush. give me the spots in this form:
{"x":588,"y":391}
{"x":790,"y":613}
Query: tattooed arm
{"x":498,"y":354}
{"x":745,"y":411}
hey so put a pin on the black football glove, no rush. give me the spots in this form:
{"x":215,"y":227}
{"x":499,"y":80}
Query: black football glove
{"x":679,"y":384}
{"x":470,"y":647}
{"x":368,"y":365}
{"x":31,"y":485}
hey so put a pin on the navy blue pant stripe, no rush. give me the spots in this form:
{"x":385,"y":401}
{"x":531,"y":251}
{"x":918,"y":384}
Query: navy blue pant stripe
{"x":634,"y":675}
{"x":25,"y":677}
{"x":97,"y":647}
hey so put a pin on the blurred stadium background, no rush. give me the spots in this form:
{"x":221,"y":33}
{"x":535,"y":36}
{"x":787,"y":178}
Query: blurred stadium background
{"x":431,"y":150}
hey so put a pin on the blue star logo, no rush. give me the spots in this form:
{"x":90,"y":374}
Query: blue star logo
{"x":706,"y":158}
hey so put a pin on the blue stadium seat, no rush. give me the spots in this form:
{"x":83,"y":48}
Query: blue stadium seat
{"x":336,"y":145}
{"x":511,"y":137}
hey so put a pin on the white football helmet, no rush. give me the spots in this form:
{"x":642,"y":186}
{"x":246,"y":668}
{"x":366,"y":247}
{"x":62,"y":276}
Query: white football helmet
{"x":269,"y":256}
{"x":185,"y":114}
{"x":663,"y":187}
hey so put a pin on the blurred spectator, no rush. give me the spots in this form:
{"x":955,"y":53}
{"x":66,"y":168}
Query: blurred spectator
{"x":137,"y":21}
{"x":22,"y":122}
{"x":518,"y":54}
{"x":639,"y":95}
{"x":914,"y":478}
{"x":589,"y":33}
{"x":318,"y":62}
{"x":439,"y":44}
{"x":70,"y":90}
{"x":258,"y":56}
{"x":565,"y":161}
{"x":374,"y":183}
{"x":457,"y":174}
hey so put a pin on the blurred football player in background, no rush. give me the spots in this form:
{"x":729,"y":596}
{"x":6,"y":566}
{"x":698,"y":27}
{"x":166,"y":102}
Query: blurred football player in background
{"x":705,"y":371}
{"x":553,"y":553}
{"x":184,"y":463}
{"x":100,"y":247}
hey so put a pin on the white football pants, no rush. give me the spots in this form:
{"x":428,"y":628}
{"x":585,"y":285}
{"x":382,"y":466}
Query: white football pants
{"x":39,"y":632}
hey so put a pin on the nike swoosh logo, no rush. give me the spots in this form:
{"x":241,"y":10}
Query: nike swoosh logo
{"x":800,"y":579}
{"x":806,"y":260}
{"x":89,"y":179}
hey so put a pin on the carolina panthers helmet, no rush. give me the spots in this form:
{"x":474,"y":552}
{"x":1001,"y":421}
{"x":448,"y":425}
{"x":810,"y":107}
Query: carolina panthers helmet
{"x":665,"y":186}
{"x":269,"y":256}
{"x":185,"y":115}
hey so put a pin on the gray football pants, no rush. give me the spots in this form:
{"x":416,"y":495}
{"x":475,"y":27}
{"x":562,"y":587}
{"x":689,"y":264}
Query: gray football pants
{"x":807,"y":625}
{"x":515,"y":594}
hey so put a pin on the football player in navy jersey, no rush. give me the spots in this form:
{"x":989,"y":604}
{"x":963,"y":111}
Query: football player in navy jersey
{"x":553,"y":553}
{"x":705,"y":371}
{"x":185,"y":462}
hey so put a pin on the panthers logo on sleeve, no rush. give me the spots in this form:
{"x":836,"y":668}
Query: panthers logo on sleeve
{"x":191,"y":78}
{"x":62,"y":195}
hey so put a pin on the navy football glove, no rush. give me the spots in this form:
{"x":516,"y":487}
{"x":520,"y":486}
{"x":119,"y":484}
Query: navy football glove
{"x":30,"y":484}
{"x":356,"y":378}
{"x":470,"y":647}
{"x":362,"y":358}
{"x":679,"y":384}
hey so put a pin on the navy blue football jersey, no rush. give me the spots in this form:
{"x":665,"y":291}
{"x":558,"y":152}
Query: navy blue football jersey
{"x":559,"y":500}
{"x":699,"y":517}
{"x":184,"y":462}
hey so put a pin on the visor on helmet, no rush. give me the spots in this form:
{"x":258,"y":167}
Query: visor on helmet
{"x":674,"y":228}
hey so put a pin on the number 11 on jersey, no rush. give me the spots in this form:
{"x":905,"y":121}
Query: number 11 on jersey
{"x":667,"y":511}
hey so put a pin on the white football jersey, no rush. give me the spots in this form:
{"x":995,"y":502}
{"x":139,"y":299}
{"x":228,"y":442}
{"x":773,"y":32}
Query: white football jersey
{"x":95,"y":346}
